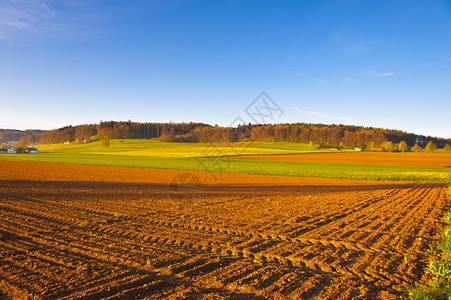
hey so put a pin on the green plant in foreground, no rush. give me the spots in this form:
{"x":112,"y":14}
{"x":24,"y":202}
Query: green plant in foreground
{"x":445,"y":246}
{"x":440,"y":269}
{"x":420,"y":292}
{"x":440,"y":286}
{"x":447,"y":217}
{"x":432,"y":250}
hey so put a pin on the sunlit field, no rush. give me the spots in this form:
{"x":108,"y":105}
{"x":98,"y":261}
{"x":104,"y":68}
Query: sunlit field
{"x":149,"y":148}
{"x":231,"y":158}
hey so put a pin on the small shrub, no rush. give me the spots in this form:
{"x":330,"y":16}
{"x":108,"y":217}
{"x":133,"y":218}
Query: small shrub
{"x":445,"y":246}
{"x":419,"y":292}
{"x":447,"y":217}
{"x":440,"y":269}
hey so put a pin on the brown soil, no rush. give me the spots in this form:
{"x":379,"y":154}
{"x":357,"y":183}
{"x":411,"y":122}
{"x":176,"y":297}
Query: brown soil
{"x":70,"y":231}
{"x":364,"y":158}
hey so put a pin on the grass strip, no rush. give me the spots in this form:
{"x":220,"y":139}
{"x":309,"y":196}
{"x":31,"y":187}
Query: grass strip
{"x":439,"y":267}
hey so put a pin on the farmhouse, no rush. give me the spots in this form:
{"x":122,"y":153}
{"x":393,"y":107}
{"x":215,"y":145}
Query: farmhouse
{"x":82,"y":141}
{"x":31,"y":150}
{"x":7,"y":149}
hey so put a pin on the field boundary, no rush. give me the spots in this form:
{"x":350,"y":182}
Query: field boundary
{"x":439,"y":267}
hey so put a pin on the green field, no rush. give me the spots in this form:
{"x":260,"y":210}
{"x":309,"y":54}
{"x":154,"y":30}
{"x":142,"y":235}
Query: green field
{"x":220,"y":158}
{"x":149,"y":148}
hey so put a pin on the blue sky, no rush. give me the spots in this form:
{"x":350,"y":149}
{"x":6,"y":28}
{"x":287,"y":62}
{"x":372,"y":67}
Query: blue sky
{"x":373,"y":63}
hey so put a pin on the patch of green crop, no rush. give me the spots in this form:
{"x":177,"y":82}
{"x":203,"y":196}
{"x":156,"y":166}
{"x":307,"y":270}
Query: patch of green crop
{"x":219,"y":158}
{"x":151,"y":148}
{"x":246,"y":166}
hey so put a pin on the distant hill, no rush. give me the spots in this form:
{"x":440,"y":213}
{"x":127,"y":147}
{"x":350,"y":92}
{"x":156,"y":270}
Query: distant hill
{"x":324,"y":135}
{"x":14,"y":135}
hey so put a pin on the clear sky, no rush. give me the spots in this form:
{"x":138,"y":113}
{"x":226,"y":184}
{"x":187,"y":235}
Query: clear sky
{"x":373,"y":63}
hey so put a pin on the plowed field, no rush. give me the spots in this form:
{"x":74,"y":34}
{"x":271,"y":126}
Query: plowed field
{"x":71,"y":231}
{"x":364,"y":158}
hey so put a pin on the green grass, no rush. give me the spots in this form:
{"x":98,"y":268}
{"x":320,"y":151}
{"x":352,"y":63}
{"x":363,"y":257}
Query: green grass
{"x":447,"y":216}
{"x":439,"y":287}
{"x":204,"y":157}
{"x":150,"y":148}
{"x":420,"y":292}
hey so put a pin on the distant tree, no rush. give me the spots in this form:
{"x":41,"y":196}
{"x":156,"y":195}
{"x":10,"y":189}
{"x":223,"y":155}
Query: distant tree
{"x":430,"y":147}
{"x":388,"y":146}
{"x":416,"y":148}
{"x":20,"y":148}
{"x":311,"y":144}
{"x":106,"y":141}
{"x":370,"y":146}
{"x":403,"y":146}
{"x":348,"y":138}
{"x":332,"y":135}
{"x":447,"y":148}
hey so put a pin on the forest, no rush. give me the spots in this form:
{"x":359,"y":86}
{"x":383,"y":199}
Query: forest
{"x":324,"y":135}
{"x":14,"y":135}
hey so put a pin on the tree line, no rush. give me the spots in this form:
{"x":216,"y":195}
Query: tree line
{"x":324,"y":135}
{"x":13,"y":135}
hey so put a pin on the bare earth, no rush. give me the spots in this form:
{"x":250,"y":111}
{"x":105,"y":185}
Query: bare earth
{"x":69,"y":231}
{"x":364,"y":158}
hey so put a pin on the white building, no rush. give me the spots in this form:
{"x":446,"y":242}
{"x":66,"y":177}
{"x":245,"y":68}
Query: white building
{"x":31,"y":150}
{"x":11,"y":150}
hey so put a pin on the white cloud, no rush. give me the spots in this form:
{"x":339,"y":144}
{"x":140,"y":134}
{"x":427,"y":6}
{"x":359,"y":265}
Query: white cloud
{"x":25,"y":16}
{"x":323,"y":81}
{"x":321,"y":115}
{"x":348,"y":79}
{"x":380,"y":74}
{"x":350,"y":44}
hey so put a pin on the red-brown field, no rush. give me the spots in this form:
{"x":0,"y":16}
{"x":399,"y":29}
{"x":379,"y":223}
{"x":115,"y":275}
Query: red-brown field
{"x":364,"y":158}
{"x":71,"y":231}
